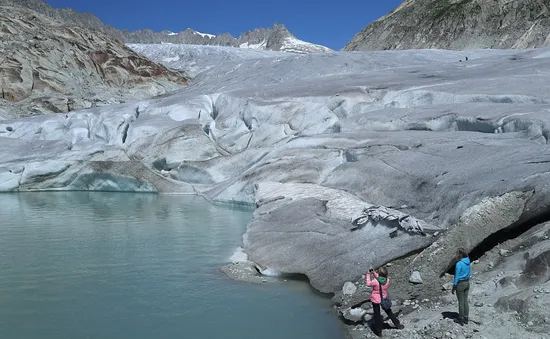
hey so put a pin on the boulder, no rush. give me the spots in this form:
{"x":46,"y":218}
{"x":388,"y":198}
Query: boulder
{"x":415,"y":278}
{"x":447,"y":286}
{"x":349,"y":288}
{"x":504,"y":252}
{"x":354,"y":315}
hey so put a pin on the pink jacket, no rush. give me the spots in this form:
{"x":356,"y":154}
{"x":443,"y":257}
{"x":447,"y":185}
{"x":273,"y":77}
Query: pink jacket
{"x":375,"y":294}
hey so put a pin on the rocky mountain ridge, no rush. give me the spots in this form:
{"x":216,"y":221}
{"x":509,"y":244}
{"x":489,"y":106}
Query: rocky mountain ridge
{"x":276,"y":38}
{"x":458,"y":25}
{"x":65,"y":16}
{"x":46,"y":66}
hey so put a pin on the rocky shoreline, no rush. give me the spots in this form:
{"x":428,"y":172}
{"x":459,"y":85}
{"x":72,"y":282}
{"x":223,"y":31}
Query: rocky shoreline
{"x":498,"y":308}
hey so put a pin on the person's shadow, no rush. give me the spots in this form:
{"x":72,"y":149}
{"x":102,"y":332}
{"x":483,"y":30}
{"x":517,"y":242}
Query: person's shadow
{"x":449,"y":315}
{"x":454,"y":315}
{"x":385,"y":325}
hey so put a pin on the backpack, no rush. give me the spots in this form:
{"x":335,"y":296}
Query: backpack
{"x":385,"y":302}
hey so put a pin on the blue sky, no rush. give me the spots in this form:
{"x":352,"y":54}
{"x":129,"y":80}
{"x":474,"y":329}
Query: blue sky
{"x":327,"y":22}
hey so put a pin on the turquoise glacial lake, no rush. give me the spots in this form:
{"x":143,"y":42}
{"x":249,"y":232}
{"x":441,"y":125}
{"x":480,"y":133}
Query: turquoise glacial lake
{"x":123,"y":265}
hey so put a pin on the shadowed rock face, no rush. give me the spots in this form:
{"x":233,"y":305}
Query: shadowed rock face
{"x":537,"y":269}
{"x":527,"y":292}
{"x":458,"y":24}
{"x":45,"y":66}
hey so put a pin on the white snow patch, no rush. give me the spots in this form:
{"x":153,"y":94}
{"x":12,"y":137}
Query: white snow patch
{"x":171,"y":59}
{"x":294,"y":45}
{"x":270,"y":272}
{"x":357,"y":312}
{"x":172,"y":33}
{"x":260,"y":46}
{"x":239,"y":256}
{"x":205,"y":35}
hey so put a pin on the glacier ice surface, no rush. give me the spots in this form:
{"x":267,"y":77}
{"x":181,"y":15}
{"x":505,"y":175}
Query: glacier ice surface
{"x":324,"y":136}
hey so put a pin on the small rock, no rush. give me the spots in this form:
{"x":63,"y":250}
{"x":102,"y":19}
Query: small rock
{"x":504,"y":252}
{"x":448,"y":334}
{"x":415,"y":278}
{"x":354,"y":314}
{"x":530,"y":323}
{"x":545,"y":237}
{"x":476,"y":262}
{"x":447,"y":286}
{"x":436,"y":234}
{"x":478,"y":304}
{"x":388,"y":264}
{"x":546,"y":291}
{"x":349,"y":288}
{"x":490,"y":265}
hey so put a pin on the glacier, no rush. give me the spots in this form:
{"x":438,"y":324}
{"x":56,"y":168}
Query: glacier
{"x":196,"y":58}
{"x":352,"y":159}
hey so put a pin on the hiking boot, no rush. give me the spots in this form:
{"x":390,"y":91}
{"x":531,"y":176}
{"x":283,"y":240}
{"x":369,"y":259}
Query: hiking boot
{"x":459,"y":321}
{"x":400,"y":326}
{"x":466,"y":320}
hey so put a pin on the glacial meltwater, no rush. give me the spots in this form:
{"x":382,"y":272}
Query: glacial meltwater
{"x":120,"y":265}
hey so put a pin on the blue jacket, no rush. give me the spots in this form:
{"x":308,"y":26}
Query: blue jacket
{"x":462,"y":270}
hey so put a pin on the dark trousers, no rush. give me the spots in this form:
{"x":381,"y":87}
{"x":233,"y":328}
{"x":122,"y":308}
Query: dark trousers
{"x":462,"y":290}
{"x":378,"y":318}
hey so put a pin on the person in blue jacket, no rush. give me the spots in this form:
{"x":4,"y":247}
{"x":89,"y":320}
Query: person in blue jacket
{"x":461,"y":285}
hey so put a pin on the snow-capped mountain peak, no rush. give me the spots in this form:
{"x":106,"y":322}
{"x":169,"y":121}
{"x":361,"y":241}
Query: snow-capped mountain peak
{"x":294,"y":45}
{"x":189,"y":31}
{"x":206,"y":35}
{"x":276,"y":38}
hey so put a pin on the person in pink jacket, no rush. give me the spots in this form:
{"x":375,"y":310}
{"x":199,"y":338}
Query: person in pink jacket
{"x":380,"y":285}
